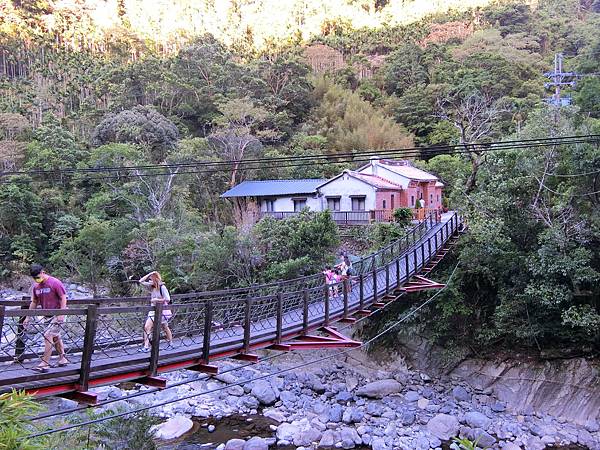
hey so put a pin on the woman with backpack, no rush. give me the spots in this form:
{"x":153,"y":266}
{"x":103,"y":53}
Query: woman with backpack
{"x":158,"y":294}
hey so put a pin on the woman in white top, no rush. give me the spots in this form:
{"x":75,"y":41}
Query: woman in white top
{"x":158,"y":294}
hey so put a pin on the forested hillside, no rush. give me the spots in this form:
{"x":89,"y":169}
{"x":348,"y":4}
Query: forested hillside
{"x":86,"y":87}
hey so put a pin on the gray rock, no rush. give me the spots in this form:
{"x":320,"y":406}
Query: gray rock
{"x":585,"y":438}
{"x":379,"y":389}
{"x":288,"y":398}
{"x":256,"y":443}
{"x":329,"y":438}
{"x":592,"y":425}
{"x":534,"y":443}
{"x":480,"y":436}
{"x":349,"y":437}
{"x":434,"y":442}
{"x":548,"y":440}
{"x":423,"y":403}
{"x":351,"y":382}
{"x":335,"y":413}
{"x":422,"y":443}
{"x":510,"y":446}
{"x":443,"y":426}
{"x":379,"y":444}
{"x":172,"y":428}
{"x":411,"y":396}
{"x":427,"y":392}
{"x":249,"y":402}
{"x":307,"y":436}
{"x":343,"y":396}
{"x":477,"y":420}
{"x":460,"y":394}
{"x":315,"y":384}
{"x":407,"y":418}
{"x":264,"y":393}
{"x":237,"y":391}
{"x":235,"y":444}
{"x":352,"y":415}
{"x":287,"y":431}
{"x":498,"y":407}
{"x":274,"y":414}
{"x":374,"y":409}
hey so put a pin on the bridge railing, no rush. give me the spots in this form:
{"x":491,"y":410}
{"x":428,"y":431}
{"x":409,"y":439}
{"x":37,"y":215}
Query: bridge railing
{"x":366,"y":263}
{"x":100,"y":339}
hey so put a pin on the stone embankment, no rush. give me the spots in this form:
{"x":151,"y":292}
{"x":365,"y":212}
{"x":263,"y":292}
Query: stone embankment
{"x":343,"y":404}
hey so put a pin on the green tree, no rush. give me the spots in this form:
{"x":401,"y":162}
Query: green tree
{"x":140,"y":125}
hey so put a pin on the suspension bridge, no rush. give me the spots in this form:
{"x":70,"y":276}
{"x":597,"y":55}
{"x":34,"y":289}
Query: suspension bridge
{"x":102,"y":336}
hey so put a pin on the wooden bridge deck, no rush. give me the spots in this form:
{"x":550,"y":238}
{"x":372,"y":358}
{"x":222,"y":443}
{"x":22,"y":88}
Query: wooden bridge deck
{"x":102,"y":342}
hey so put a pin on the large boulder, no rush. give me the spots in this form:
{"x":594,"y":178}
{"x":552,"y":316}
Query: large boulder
{"x":460,"y":394}
{"x":287,"y":431}
{"x":172,"y":428}
{"x":307,"y":436}
{"x":379,"y":389}
{"x":443,"y":426}
{"x":349,"y":437}
{"x":477,"y":420}
{"x":263,"y":392}
{"x":329,"y":439}
{"x":256,"y":443}
{"x":235,"y":444}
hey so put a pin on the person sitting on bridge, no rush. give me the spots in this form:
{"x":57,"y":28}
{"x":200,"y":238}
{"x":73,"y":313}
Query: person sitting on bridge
{"x":158,"y":294}
{"x":50,"y":293}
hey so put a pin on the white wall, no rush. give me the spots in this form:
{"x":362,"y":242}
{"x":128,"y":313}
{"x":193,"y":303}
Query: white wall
{"x":388,"y":174}
{"x":286,"y":204}
{"x":344,"y":187}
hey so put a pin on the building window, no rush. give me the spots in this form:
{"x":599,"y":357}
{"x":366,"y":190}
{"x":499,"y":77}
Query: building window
{"x":384,"y":204}
{"x":333,"y":203}
{"x":269,"y":205}
{"x":412,"y":200}
{"x":392,"y":202}
{"x":431,"y":199}
{"x":358,"y":203}
{"x":438,"y":198}
{"x":299,"y":204}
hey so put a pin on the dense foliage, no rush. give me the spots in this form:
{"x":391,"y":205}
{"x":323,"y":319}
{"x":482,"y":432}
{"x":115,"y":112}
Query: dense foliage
{"x":76,"y":94}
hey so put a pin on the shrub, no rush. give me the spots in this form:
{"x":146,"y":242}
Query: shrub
{"x":15,"y":407}
{"x":403,"y":216}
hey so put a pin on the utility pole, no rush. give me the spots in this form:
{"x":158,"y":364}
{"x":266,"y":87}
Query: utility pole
{"x":558,"y":80}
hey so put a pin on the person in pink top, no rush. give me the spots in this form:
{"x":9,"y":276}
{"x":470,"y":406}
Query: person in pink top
{"x":49,"y":293}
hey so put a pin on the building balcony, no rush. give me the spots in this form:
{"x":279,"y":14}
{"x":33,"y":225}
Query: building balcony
{"x":355,"y":217}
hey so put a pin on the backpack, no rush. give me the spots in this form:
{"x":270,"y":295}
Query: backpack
{"x":164,"y":296}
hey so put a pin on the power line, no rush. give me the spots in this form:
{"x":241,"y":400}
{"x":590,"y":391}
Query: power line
{"x":328,"y":157}
{"x":277,"y":163}
{"x":262,"y":377}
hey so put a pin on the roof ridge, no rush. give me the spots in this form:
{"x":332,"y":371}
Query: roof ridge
{"x":289,"y":179}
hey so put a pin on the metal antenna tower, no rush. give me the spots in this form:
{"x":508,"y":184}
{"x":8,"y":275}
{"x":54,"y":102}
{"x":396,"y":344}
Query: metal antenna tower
{"x":558,"y":80}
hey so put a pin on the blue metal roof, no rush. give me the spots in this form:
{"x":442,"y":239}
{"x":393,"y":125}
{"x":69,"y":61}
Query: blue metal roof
{"x":267,"y":188}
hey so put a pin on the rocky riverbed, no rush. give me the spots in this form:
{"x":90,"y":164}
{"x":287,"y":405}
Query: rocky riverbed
{"x":346,"y":403}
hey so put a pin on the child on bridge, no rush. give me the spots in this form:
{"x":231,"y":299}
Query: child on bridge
{"x":158,"y":294}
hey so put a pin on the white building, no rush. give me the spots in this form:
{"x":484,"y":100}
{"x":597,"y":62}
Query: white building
{"x":368,"y":194}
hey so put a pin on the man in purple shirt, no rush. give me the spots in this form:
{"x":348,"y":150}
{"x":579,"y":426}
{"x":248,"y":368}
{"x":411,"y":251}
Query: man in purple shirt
{"x":49,"y":293}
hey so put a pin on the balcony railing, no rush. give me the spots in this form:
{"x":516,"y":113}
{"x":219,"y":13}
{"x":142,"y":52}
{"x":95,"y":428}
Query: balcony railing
{"x":356,"y":217}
